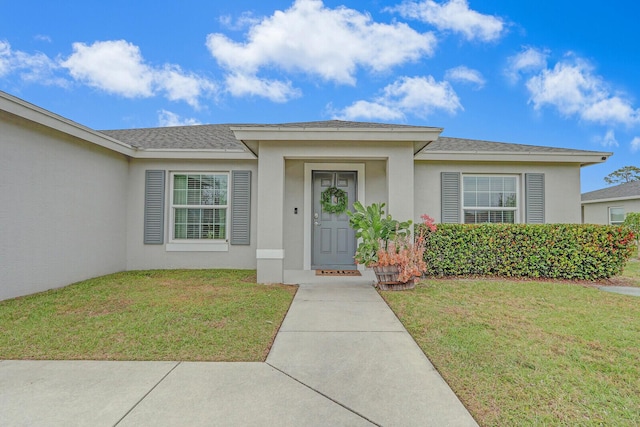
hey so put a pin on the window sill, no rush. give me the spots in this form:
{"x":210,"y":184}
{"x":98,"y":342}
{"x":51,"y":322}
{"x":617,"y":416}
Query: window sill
{"x":197,"y":247}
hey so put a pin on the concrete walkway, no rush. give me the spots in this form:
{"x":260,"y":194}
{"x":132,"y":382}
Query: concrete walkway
{"x":624,"y":290}
{"x":341,"y":358}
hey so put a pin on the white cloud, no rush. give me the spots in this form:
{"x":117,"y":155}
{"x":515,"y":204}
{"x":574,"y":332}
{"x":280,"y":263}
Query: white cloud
{"x":246,"y":20}
{"x":419,"y":96}
{"x":465,"y":75}
{"x":117,"y":66}
{"x":179,"y":85}
{"x":274,"y":90}
{"x":5,"y":57}
{"x":167,"y":118}
{"x":456,"y":16}
{"x":36,"y":67}
{"x":366,"y":110}
{"x":573,"y":89}
{"x":309,"y":38}
{"x":635,"y":144}
{"x":529,"y":60}
{"x":113,"y":66}
{"x":608,"y":140}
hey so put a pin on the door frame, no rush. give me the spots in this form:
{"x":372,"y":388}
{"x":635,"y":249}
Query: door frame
{"x":308,"y":201}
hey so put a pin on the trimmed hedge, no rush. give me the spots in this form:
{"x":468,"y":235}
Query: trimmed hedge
{"x":556,"y":251}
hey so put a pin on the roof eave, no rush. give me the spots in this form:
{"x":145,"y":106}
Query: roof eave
{"x":33,"y":113}
{"x":610,"y":199}
{"x":193,"y":154}
{"x":273,"y":133}
{"x":584,"y":159}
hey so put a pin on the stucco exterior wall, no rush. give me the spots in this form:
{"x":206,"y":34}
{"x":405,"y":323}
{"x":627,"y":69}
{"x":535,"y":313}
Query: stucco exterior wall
{"x":562,"y":186}
{"x":141,"y":256}
{"x":598,"y":213}
{"x":63,"y":209}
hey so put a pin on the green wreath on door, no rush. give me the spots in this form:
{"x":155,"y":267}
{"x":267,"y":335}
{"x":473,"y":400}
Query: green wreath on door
{"x":334,"y":200}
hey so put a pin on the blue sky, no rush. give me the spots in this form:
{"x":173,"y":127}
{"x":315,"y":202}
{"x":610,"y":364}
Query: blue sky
{"x":559,"y":73}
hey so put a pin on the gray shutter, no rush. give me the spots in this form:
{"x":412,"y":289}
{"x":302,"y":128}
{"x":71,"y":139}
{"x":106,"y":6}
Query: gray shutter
{"x":154,"y":207}
{"x":534,"y":198}
{"x":240,"y":207}
{"x":450,"y":197}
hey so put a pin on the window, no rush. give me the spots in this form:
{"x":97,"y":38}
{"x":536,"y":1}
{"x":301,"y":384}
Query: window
{"x":199,"y":205}
{"x":616,"y":216}
{"x":490,"y":199}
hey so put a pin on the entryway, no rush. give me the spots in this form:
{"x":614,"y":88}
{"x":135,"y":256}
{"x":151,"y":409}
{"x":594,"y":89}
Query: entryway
{"x":333,"y":241}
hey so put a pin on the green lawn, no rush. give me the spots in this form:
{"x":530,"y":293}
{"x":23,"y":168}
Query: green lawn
{"x":531,"y":353}
{"x":214,"y":315}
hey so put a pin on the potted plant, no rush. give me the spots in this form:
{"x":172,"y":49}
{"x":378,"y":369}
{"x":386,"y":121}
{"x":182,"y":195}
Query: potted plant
{"x":387,"y":246}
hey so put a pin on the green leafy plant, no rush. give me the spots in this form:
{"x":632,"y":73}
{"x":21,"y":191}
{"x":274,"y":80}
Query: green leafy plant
{"x":632,"y":222}
{"x":375,"y":229}
{"x":556,"y":251}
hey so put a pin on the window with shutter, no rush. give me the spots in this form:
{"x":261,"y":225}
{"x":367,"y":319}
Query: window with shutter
{"x":199,"y":205}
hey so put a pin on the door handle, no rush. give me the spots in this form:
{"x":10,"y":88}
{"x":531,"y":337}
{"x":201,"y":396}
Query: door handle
{"x":316,"y":223}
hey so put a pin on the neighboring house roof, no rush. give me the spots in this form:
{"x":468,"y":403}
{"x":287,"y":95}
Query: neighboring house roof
{"x":628,"y":190}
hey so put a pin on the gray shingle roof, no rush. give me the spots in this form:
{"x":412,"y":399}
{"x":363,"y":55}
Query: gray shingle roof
{"x":473,"y":145}
{"x":212,"y":137}
{"x":626,"y":190}
{"x":220,"y":137}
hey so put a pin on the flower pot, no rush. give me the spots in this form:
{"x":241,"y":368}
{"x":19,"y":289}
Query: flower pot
{"x":387,"y":276}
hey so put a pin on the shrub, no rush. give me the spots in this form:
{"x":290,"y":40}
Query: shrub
{"x":557,"y":251}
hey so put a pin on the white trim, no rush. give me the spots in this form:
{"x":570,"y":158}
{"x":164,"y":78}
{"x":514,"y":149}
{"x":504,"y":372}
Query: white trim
{"x":197,"y":247}
{"x":308,"y":202}
{"x":269,"y":253}
{"x":583,"y":158}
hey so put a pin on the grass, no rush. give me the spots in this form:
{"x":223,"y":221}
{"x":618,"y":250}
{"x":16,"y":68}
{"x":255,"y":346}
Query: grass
{"x":531,"y":353}
{"x":208,"y":315}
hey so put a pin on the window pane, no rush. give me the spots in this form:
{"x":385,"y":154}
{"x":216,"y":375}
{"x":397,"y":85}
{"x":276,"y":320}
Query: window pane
{"x":496,"y":200}
{"x":179,"y":197}
{"x":497,"y":184}
{"x":469,"y":183}
{"x":181,"y":216}
{"x":180,"y":182}
{"x":470,"y":199}
{"x":510,"y":184}
{"x":483,"y":184}
{"x":180,"y":231}
{"x":509,"y":217}
{"x":483,"y":199}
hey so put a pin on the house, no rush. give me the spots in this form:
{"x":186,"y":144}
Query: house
{"x":79,"y":203}
{"x":610,"y":205}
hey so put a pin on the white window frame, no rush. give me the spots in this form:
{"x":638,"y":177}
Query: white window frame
{"x":198,"y":245}
{"x":516,"y":209}
{"x":616,"y":222}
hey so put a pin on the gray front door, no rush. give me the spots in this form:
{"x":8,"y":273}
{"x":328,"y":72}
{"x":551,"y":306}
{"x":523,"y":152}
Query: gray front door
{"x":334,"y":242}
